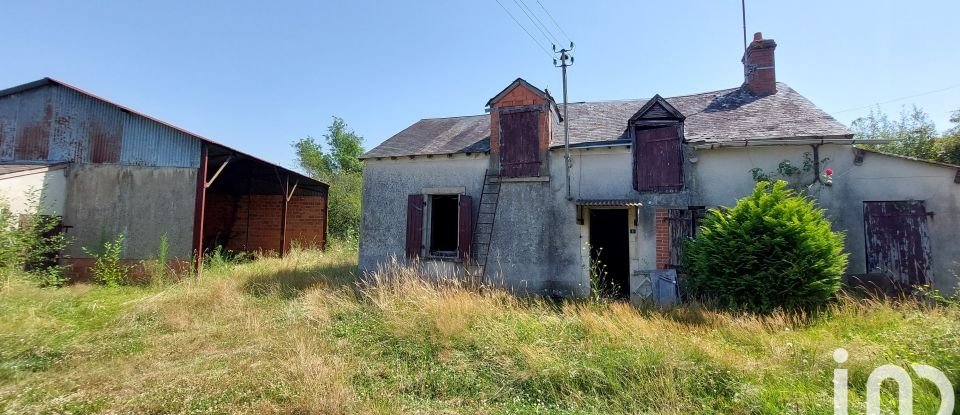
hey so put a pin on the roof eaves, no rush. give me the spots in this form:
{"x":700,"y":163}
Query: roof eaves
{"x":50,"y":81}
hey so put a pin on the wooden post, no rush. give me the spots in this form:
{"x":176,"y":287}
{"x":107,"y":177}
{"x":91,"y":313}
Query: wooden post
{"x":200,"y":208}
{"x":283,"y":217}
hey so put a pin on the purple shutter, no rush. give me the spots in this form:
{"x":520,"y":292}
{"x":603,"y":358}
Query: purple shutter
{"x":464,"y":226}
{"x":657,"y":159}
{"x":519,"y":144}
{"x":415,"y":205}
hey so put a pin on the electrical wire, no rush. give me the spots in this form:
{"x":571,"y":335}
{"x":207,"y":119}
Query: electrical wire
{"x":898,"y":99}
{"x":554,"y":21}
{"x":525,"y":30}
{"x":537,"y":23}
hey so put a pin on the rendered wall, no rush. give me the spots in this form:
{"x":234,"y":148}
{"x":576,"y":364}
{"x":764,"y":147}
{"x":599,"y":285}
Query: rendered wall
{"x":24,"y":191}
{"x":143,"y":203}
{"x":539,"y":247}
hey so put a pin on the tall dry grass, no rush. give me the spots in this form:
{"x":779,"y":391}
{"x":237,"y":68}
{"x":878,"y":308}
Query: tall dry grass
{"x":304,"y":335}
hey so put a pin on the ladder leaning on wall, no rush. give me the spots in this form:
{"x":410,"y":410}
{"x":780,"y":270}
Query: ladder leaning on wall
{"x":486,"y":217}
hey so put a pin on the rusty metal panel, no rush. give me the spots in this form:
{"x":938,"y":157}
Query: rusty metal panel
{"x":25,"y":120}
{"x":149,"y":143}
{"x":86,"y":130}
{"x":89,"y":130}
{"x":897,"y":240}
{"x":519,"y":144}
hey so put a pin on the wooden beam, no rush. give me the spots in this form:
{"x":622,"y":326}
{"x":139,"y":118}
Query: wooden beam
{"x":217,"y":174}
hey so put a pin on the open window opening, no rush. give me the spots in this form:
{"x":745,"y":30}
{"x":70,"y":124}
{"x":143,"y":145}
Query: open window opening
{"x":439,"y":226}
{"x":442,"y":225}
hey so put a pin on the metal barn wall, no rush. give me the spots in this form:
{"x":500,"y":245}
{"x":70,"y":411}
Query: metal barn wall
{"x":54,"y":123}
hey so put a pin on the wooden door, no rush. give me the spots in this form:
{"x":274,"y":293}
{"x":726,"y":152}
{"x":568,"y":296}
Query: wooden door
{"x":519,"y":144}
{"x":897,"y":240}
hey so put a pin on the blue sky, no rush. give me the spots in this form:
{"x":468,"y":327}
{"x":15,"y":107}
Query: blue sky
{"x":257,"y":75}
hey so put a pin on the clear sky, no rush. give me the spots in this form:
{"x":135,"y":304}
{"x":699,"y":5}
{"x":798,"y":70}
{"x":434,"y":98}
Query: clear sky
{"x":257,"y":75}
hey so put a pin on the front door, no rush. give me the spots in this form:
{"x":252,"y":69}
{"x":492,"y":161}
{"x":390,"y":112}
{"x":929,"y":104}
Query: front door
{"x":898,"y":241}
{"x":610,"y":252}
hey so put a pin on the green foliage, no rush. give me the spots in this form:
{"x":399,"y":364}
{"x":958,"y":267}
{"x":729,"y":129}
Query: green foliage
{"x":774,"y":249}
{"x":220,"y":259}
{"x":342,"y":169}
{"x":157,"y":267}
{"x":32,"y":243}
{"x":798,"y":178}
{"x":107,"y":267}
{"x":914,"y":135}
{"x":298,"y":335}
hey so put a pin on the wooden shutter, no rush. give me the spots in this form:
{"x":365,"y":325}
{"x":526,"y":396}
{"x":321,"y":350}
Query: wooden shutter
{"x":519,"y":144}
{"x":464,"y":227}
{"x":415,"y":204}
{"x":657,"y":159}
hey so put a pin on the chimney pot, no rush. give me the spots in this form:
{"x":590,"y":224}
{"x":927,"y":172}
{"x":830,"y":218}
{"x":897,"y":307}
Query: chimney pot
{"x":757,"y":37}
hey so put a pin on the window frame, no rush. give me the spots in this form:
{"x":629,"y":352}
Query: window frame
{"x":428,"y":251}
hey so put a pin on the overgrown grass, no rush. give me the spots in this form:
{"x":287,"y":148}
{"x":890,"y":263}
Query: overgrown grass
{"x":298,"y":335}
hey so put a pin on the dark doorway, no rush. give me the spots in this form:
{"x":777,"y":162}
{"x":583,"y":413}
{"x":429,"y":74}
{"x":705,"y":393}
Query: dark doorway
{"x":897,"y":239}
{"x":610,"y":249}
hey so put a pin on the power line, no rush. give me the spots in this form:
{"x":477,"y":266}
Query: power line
{"x":536,"y":22}
{"x":554,"y":21}
{"x":525,"y":30}
{"x":898,"y":99}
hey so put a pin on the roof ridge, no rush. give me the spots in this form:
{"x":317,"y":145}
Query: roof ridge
{"x":452,"y":117}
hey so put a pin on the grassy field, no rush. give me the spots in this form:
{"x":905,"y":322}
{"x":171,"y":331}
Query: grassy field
{"x":298,"y":336}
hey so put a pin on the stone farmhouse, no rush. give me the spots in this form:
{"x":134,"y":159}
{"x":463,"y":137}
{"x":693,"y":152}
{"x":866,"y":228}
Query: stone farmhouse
{"x":496,"y":194}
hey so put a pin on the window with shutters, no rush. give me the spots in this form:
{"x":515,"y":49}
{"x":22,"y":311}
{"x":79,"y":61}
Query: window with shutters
{"x":658,"y":159}
{"x":657,"y":131}
{"x":519,"y":143}
{"x":439,"y":226}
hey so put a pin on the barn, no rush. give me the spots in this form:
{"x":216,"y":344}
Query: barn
{"x":105,"y":170}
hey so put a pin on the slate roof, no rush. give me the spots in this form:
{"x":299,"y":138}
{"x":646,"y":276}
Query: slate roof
{"x":711,"y":117}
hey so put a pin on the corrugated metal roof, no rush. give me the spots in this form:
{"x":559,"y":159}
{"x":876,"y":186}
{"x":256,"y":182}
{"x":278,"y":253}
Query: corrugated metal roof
{"x":74,"y":125}
{"x":711,"y":117}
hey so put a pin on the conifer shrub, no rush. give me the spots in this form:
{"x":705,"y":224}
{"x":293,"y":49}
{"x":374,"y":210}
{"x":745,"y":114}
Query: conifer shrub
{"x":773,"y":249}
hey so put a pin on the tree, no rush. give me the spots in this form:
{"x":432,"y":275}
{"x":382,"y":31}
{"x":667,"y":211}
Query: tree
{"x":773,"y":249}
{"x":950,"y":142}
{"x":342,"y":168}
{"x":913,"y":135}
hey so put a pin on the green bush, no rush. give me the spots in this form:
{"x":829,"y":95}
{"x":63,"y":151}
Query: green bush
{"x":773,"y":249}
{"x":107,"y":267}
{"x":31,"y":244}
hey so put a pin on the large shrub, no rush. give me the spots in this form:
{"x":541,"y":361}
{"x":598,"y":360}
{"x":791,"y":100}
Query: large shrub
{"x":773,"y":249}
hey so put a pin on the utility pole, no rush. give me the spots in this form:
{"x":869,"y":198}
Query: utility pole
{"x":564,"y":58}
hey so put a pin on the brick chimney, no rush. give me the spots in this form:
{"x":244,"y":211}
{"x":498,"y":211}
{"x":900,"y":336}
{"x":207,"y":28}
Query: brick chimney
{"x":759,"y":73}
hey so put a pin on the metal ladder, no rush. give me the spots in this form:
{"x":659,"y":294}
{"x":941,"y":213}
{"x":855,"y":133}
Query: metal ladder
{"x":486,"y":216}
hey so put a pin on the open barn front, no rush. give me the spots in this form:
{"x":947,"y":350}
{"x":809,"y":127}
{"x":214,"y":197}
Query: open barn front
{"x":248,"y":205}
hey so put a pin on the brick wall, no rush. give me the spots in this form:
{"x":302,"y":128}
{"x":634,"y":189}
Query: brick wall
{"x":662,"y":238}
{"x":252,"y":223}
